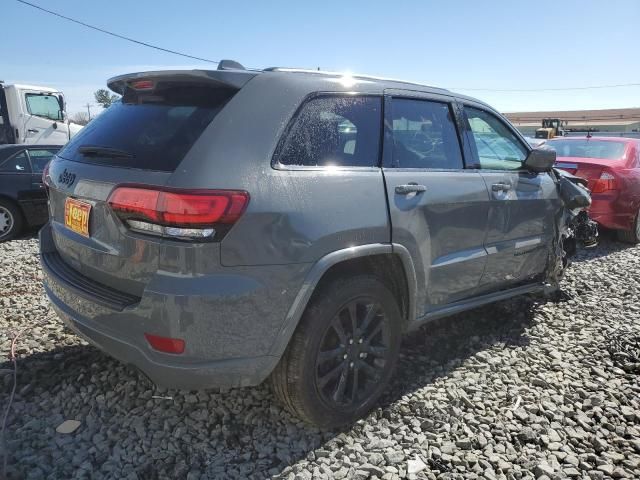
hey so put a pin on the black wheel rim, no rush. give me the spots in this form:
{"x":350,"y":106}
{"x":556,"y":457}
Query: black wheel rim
{"x":353,"y":355}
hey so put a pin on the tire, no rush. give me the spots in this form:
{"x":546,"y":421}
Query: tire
{"x":633,"y":235}
{"x":343,"y":383}
{"x":11,"y":220}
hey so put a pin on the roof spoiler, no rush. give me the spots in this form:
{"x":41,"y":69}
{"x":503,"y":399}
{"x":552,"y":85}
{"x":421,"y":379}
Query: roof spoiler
{"x":234,"y":79}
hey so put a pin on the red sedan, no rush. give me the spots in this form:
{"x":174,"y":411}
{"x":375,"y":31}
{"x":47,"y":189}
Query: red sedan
{"x":611,"y":165}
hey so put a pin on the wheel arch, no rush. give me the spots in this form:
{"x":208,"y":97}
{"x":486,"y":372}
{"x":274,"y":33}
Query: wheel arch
{"x":392,"y":263}
{"x":12,"y":201}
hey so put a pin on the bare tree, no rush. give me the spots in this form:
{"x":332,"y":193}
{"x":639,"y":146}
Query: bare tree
{"x":81,"y":118}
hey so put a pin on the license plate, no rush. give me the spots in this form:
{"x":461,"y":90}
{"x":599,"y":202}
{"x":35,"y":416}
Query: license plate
{"x":76,"y":216}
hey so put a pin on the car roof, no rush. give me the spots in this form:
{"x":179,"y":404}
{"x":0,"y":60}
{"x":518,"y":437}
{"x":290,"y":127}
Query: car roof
{"x":313,"y":80}
{"x":381,"y":82}
{"x":605,"y":139}
{"x":20,"y":146}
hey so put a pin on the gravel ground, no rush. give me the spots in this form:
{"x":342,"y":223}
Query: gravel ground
{"x":527,"y":388}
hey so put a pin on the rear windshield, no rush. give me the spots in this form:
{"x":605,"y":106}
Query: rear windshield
{"x":151,"y":131}
{"x":606,"y":150}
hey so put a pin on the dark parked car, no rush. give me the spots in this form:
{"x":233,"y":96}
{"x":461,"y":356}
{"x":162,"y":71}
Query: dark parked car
{"x":217,"y":228}
{"x":23,"y":199}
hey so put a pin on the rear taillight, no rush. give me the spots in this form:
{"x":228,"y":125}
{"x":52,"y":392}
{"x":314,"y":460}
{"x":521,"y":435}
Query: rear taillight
{"x":603,"y":184}
{"x":192,"y":214}
{"x":45,"y":174}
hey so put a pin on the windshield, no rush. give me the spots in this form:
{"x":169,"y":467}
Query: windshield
{"x":603,"y":149}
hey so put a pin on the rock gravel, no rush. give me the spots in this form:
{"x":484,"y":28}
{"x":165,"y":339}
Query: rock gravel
{"x":527,"y":388}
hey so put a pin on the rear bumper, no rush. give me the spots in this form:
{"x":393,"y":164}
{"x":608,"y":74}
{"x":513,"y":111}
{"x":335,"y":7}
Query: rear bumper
{"x":229,"y":336}
{"x":608,"y":212}
{"x":221,"y":373}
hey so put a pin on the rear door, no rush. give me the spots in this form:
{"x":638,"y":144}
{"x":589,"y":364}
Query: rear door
{"x":15,"y":178}
{"x":39,"y":157}
{"x":521,"y":225}
{"x":438,"y":209}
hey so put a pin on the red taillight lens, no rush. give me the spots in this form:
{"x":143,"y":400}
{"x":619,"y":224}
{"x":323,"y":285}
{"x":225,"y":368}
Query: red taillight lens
{"x":165,"y":344}
{"x":603,"y":184}
{"x":136,"y":203}
{"x":171,"y":212}
{"x":45,"y":174}
{"x":141,"y":84}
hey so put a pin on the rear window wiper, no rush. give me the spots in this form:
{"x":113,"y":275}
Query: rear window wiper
{"x":94,"y":150}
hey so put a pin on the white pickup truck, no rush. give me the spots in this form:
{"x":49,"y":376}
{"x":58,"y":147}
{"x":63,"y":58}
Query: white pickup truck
{"x":33,"y":115}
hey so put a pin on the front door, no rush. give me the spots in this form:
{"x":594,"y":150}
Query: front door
{"x":438,"y":210}
{"x":521,"y":225}
{"x":43,"y":120}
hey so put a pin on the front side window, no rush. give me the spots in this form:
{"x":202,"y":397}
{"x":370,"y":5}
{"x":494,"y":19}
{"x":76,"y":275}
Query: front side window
{"x":497,"y":146}
{"x":335,"y":131}
{"x":424,"y":135}
{"x":46,"y":106}
{"x":39,"y":158}
{"x":19,"y":163}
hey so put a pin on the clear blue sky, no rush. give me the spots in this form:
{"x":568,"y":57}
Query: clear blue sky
{"x":497,"y":44}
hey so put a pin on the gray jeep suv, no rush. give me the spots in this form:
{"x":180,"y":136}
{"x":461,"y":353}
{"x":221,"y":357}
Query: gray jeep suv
{"x":218,"y":228}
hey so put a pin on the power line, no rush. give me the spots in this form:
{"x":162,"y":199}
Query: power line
{"x":562,"y":89}
{"x":174,"y":52}
{"x":115,"y":34}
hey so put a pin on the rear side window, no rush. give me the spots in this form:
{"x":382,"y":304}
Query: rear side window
{"x":335,"y":131}
{"x":150,"y":131}
{"x":424,"y":135}
{"x":40,"y":158}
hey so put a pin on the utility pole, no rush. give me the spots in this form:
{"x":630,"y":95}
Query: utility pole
{"x":88,"y":105}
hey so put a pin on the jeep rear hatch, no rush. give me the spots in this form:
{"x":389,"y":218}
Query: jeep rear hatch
{"x":113,"y":176}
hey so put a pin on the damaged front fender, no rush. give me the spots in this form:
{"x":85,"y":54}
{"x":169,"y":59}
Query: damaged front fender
{"x":574,"y":227}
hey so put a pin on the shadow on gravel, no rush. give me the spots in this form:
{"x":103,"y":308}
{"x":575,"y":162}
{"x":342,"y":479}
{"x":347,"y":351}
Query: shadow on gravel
{"x":28,"y":233}
{"x":216,"y":433}
{"x":443,"y":345}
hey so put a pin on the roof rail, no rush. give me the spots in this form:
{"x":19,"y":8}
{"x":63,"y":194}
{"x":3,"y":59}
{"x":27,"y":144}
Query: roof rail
{"x":354,"y":75}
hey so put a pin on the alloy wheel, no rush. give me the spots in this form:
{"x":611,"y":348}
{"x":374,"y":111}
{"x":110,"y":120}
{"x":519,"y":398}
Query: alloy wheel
{"x":6,"y":221}
{"x":353,"y":354}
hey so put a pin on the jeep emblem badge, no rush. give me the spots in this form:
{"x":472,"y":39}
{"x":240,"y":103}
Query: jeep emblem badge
{"x":67,"y":178}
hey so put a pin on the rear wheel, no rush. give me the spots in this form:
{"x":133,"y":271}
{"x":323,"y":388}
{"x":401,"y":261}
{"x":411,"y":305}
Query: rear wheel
{"x":342,"y":354}
{"x":633,"y":235}
{"x":10,"y":220}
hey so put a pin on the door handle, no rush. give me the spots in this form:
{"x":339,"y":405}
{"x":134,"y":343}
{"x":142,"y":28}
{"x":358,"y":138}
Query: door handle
{"x":500,"y":187}
{"x":32,"y":130}
{"x":410,"y":188}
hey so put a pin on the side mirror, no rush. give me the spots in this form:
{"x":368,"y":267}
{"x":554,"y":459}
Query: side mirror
{"x":61,"y":109}
{"x":540,"y":160}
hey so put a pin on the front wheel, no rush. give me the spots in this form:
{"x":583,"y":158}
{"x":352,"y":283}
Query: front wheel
{"x":633,"y":235}
{"x":342,"y":355}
